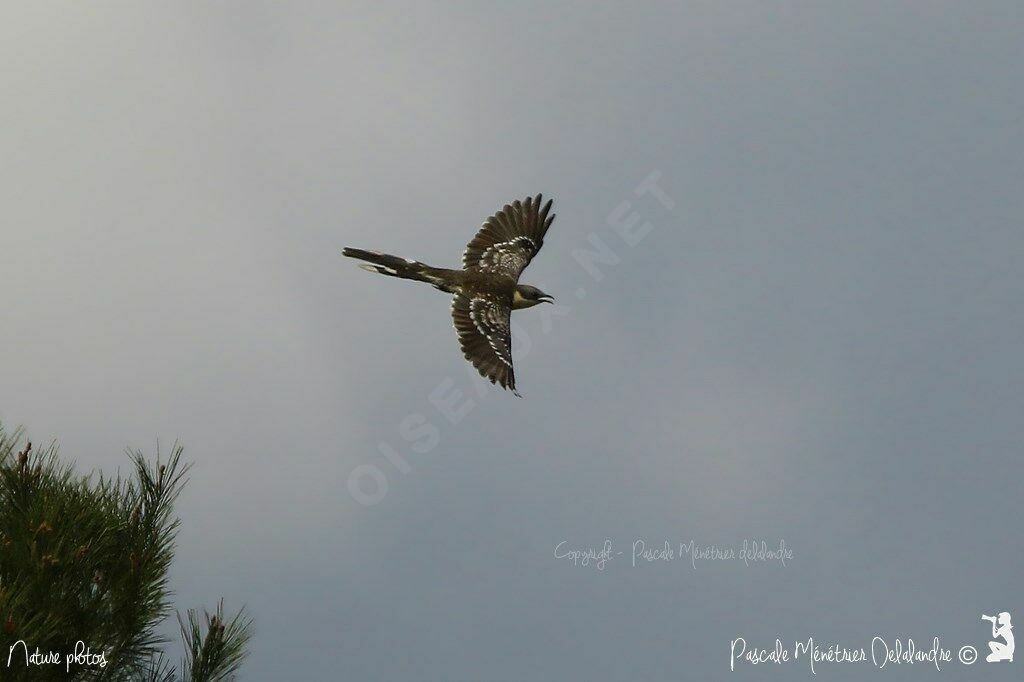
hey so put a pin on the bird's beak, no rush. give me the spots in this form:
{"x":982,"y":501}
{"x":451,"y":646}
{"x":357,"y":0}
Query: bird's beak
{"x":545,"y":298}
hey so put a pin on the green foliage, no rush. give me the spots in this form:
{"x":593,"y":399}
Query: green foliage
{"x":84,"y":560}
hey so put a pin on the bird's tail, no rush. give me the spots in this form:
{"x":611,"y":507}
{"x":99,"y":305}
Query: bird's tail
{"x":394,"y":266}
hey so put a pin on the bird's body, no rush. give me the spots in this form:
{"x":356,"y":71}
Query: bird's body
{"x":486,"y":290}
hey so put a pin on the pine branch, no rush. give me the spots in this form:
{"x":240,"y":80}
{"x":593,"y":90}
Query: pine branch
{"x":88,"y":559}
{"x":217,"y":655}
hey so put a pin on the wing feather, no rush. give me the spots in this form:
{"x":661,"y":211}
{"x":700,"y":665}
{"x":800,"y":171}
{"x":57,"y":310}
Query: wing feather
{"x":509,"y":239}
{"x":483,"y":325}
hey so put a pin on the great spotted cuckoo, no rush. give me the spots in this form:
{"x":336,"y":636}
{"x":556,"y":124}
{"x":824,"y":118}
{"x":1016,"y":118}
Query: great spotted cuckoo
{"x":486,"y":290}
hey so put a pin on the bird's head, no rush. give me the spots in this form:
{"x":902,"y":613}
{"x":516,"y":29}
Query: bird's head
{"x":526,"y":296}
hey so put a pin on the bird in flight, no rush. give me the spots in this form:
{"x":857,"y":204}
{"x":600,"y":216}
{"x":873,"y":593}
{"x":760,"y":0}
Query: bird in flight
{"x":486,"y":290}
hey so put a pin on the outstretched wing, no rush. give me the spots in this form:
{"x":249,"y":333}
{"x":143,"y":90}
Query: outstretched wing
{"x":510,"y":238}
{"x":482,"y":323}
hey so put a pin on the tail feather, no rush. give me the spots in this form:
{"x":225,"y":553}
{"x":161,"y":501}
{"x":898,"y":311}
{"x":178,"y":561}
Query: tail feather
{"x":393,"y":266}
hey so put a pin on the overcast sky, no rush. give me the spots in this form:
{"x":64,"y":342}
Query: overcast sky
{"x":816,"y":340}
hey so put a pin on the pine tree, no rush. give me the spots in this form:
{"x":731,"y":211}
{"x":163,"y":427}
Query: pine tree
{"x":85,"y":559}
